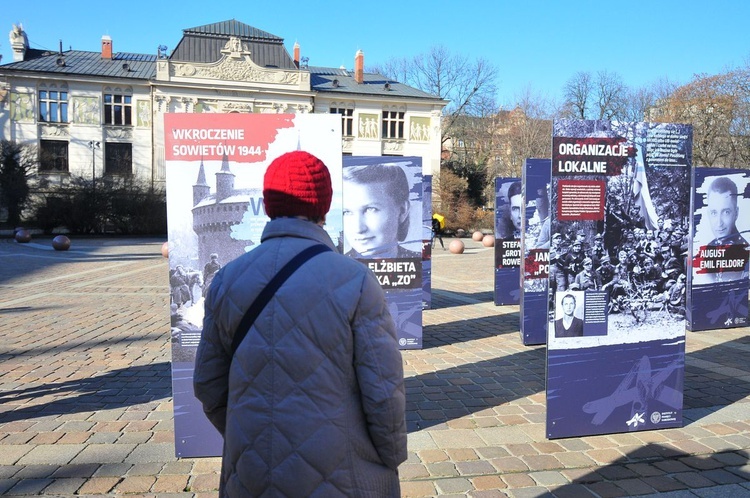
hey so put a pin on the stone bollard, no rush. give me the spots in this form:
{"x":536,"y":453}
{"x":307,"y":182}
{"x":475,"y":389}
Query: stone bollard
{"x":61,"y":243}
{"x":23,"y":235}
{"x":488,"y":241}
{"x":477,"y":236}
{"x":165,"y":249}
{"x":456,"y":247}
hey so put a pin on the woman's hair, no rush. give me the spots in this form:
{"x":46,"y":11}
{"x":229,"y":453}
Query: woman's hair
{"x":394,"y":180}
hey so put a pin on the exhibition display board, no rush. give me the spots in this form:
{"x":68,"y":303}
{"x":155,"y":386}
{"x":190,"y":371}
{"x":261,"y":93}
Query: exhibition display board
{"x":535,"y":247}
{"x":718,"y":279}
{"x":616,"y":336}
{"x":508,"y":206}
{"x":215,"y":165}
{"x":383,"y":228}
{"x":427,"y":242}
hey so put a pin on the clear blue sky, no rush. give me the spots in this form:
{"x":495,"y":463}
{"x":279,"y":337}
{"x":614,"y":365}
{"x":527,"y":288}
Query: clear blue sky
{"x":535,"y":43}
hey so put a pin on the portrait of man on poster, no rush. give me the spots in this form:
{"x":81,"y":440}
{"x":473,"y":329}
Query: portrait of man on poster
{"x":568,"y":325}
{"x":722,"y":210}
{"x":509,"y":221}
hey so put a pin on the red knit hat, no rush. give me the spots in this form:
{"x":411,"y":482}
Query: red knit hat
{"x":297,"y":184}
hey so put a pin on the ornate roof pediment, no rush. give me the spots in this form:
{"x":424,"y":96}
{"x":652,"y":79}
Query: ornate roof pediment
{"x":237,"y":65}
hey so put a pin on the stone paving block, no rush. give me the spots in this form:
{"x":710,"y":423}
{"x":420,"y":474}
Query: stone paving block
{"x":104,"y":453}
{"x":65,"y":486}
{"x":442,"y":469}
{"x":417,"y":489}
{"x":170,"y":484}
{"x":6,"y":484}
{"x":474,"y":467}
{"x":728,"y":491}
{"x":11,"y":453}
{"x":155,"y":452}
{"x":29,"y":486}
{"x":664,"y":483}
{"x":76,"y":471}
{"x":722,"y":476}
{"x":530,"y":492}
{"x":135,"y":484}
{"x":453,"y":486}
{"x":572,"y":491}
{"x":51,"y":454}
{"x":605,"y":489}
{"x":457,"y":439}
{"x":515,"y":481}
{"x":634,"y":487}
{"x":548,"y":478}
{"x":408,"y":471}
{"x":488,"y":482}
{"x":117,"y":469}
{"x":204,"y":482}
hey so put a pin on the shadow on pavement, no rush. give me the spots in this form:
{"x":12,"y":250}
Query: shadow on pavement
{"x":114,"y":389}
{"x":660,"y":468}
{"x":437,"y":397}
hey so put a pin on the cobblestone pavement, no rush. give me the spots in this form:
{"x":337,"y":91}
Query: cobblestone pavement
{"x":86,"y":408}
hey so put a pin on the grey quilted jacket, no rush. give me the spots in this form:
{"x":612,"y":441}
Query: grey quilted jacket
{"x":313,"y":402}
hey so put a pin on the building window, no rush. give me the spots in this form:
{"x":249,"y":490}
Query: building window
{"x":118,"y":109}
{"x":53,"y":106}
{"x":53,"y":156}
{"x":347,"y":120}
{"x":393,"y":124}
{"x":118,"y":159}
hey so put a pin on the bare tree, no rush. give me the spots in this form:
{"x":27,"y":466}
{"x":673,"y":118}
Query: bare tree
{"x":600,"y":96}
{"x":577,"y":92}
{"x":469,"y":85}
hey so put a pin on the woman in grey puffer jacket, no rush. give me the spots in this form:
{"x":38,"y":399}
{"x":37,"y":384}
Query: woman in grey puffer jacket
{"x":312,"y":404}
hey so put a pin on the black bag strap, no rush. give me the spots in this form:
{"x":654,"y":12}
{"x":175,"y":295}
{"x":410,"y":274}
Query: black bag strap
{"x":270,"y":289}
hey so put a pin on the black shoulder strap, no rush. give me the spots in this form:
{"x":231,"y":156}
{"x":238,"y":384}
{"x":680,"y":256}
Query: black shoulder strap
{"x":270,"y":289}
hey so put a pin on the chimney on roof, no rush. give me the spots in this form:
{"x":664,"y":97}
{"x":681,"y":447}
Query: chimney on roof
{"x":359,"y":67}
{"x":296,"y":54}
{"x":106,"y":47}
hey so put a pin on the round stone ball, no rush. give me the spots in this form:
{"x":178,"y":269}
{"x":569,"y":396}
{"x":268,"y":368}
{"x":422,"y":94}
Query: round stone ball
{"x":456,"y":247}
{"x":488,"y":241}
{"x":477,"y":236}
{"x":23,"y":236}
{"x":61,"y":243}
{"x":165,"y":249}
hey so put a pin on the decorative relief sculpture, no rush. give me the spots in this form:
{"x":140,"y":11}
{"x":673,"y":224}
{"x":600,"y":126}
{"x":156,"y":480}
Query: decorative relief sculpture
{"x":419,"y":130}
{"x":393,"y":146}
{"x":236,"y":107}
{"x":118,"y":133}
{"x":53,"y":131}
{"x":368,"y":126}
{"x":143,"y":114}
{"x":85,"y":110}
{"x":21,"y":107}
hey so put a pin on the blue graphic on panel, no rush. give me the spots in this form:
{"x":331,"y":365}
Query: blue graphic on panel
{"x":508,"y":207}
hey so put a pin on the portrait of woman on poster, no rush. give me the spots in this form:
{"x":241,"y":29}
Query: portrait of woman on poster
{"x":376,"y":212}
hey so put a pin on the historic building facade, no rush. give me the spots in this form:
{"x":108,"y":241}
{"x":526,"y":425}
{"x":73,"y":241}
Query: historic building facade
{"x":101,"y":114}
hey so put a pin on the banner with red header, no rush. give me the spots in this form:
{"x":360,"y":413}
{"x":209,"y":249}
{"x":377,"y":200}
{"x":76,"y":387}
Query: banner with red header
{"x":620,"y":201}
{"x":215,"y":165}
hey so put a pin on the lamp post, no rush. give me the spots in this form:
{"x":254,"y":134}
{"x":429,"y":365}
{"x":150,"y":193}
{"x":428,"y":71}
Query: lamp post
{"x":93,"y":145}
